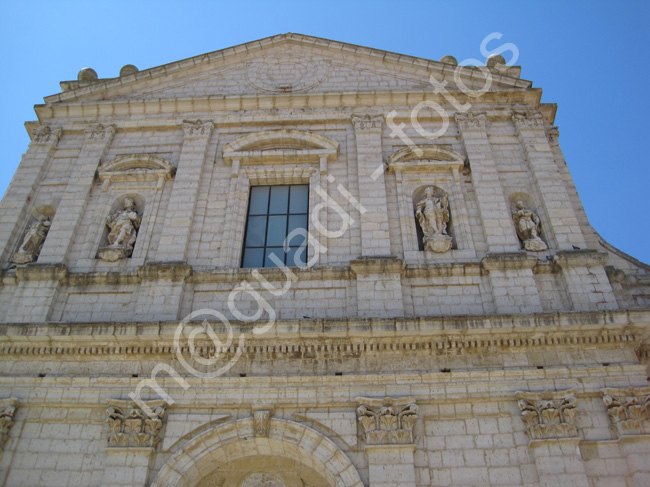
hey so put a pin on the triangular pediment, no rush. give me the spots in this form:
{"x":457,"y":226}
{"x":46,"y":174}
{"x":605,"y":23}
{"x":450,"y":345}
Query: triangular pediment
{"x":284,"y":64}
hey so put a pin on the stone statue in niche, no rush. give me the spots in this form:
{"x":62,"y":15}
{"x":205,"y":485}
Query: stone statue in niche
{"x":32,"y":241}
{"x":432,"y":213}
{"x":123,"y":225}
{"x":527,"y":225}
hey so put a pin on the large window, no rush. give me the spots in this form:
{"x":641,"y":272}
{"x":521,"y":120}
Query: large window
{"x":273,"y":213}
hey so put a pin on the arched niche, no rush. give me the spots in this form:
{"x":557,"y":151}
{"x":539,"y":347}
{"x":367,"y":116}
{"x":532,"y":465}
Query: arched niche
{"x":415,"y":169}
{"x":117,"y":206}
{"x":235,"y":443}
{"x":418,"y":195}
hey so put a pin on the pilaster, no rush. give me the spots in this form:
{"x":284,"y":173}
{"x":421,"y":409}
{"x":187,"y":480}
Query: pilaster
{"x":379,"y":287}
{"x":375,"y":238}
{"x":555,"y":445}
{"x":498,"y":228}
{"x":565,"y":229}
{"x":68,"y":214}
{"x":32,"y":168}
{"x":37,"y":290}
{"x":512,"y":281}
{"x":176,"y":230}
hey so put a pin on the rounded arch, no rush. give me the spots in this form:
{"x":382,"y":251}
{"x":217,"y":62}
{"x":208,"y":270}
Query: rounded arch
{"x":235,"y":440}
{"x":281,"y":139}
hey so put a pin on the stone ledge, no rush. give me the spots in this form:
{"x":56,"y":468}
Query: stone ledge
{"x":41,"y":272}
{"x":580,"y":258}
{"x":378,"y":265}
{"x":508,"y":261}
{"x":172,"y":271}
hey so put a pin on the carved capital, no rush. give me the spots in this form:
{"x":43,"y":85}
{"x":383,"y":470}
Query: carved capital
{"x":387,"y":421}
{"x":262,"y":422}
{"x":553,"y":134}
{"x":366,"y":123}
{"x":133,"y":426}
{"x":471,"y":121}
{"x":7,"y":411}
{"x":629,"y":410}
{"x":100,"y":133}
{"x":549,"y":415}
{"x":45,"y":135}
{"x":197,"y":128}
{"x":528,"y":119}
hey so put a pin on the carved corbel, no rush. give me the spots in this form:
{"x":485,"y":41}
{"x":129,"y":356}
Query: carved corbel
{"x":387,"y":421}
{"x":7,"y":411}
{"x":629,"y":410}
{"x":133,"y":426}
{"x":549,"y":415}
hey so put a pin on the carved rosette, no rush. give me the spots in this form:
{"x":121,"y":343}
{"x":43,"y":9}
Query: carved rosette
{"x":629,"y":410}
{"x":549,"y":415}
{"x":100,"y":133}
{"x":130,"y":426}
{"x":7,"y":411}
{"x":197,"y":128}
{"x":365,"y":123}
{"x":471,"y":121}
{"x":45,"y":135}
{"x":387,"y":421}
{"x":528,"y":119}
{"x":262,"y":422}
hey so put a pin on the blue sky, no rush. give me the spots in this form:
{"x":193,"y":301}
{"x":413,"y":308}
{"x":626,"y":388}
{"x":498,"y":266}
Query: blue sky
{"x":590,"y":57}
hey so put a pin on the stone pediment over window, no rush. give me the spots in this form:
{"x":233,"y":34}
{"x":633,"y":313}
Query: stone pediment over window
{"x":136,"y":167}
{"x":425,"y":158}
{"x":281,"y":147}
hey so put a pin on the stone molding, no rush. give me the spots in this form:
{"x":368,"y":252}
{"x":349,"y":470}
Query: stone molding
{"x":168,"y":271}
{"x":377,"y":265}
{"x":367,"y":123}
{"x":432,"y":158}
{"x":387,"y":421}
{"x":7,"y":411}
{"x":471,"y":121}
{"x":45,"y":135}
{"x":580,"y":258}
{"x":508,"y":261}
{"x":41,"y":272}
{"x":529,"y":119}
{"x":130,"y":426}
{"x":101,"y":134}
{"x":549,"y":415}
{"x":628,"y":409}
{"x":197,"y":128}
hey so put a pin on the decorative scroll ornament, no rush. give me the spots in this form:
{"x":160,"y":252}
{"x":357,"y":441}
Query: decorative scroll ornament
{"x":387,"y":421}
{"x":549,"y":414}
{"x":100,"y":133}
{"x":197,"y":128}
{"x":367,"y":122}
{"x":7,"y":411}
{"x":123,"y":225}
{"x":527,"y":225}
{"x":32,"y":242}
{"x":262,"y":422}
{"x":528,"y":119}
{"x":46,"y":135}
{"x":629,"y":410}
{"x":432,"y":213}
{"x":131,"y":427}
{"x":471,"y":121}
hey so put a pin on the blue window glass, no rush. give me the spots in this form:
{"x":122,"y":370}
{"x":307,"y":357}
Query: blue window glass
{"x":273,"y":213}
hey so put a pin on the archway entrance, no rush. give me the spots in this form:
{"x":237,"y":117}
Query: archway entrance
{"x":230,"y":455}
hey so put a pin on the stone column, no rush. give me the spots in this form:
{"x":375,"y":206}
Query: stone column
{"x":628,"y":412}
{"x":386,"y":428}
{"x":554,"y":442}
{"x":176,"y":230}
{"x":496,"y":217}
{"x":68,"y":214}
{"x":564,"y":228}
{"x":375,"y":239}
{"x":131,"y":443}
{"x":32,"y":168}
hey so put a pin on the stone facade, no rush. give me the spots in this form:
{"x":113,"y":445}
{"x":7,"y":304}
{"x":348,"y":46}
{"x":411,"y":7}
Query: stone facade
{"x":458,"y":322}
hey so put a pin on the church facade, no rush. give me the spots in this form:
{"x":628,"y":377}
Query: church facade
{"x":299,"y":262}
